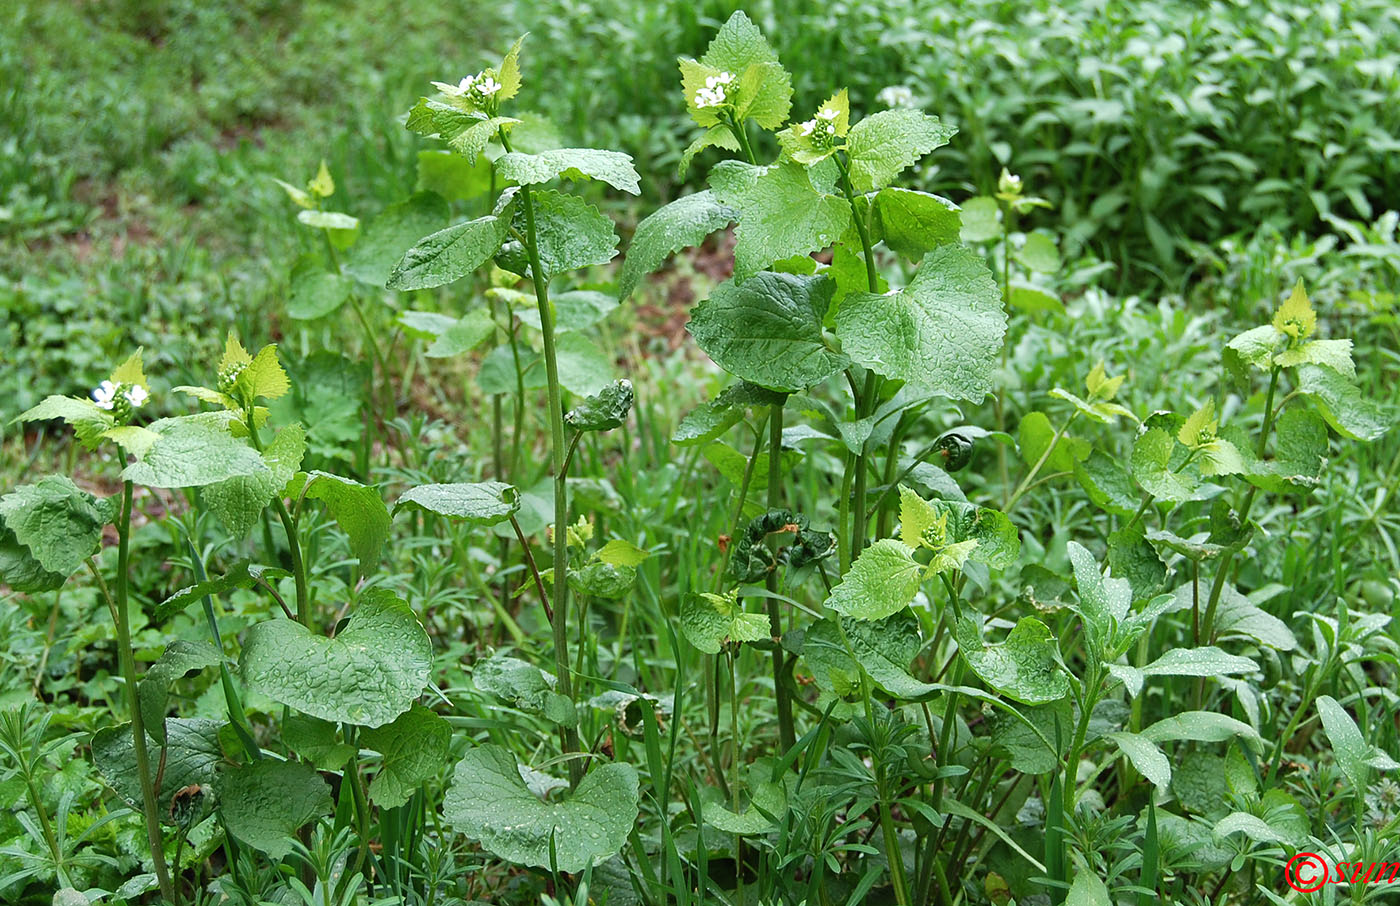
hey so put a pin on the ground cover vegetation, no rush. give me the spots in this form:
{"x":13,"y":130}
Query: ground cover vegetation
{"x":858,"y":473}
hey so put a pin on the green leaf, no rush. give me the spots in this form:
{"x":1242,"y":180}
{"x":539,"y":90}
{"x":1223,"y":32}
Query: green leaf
{"x":981,"y":219}
{"x":315,"y":292}
{"x":603,"y":411}
{"x":1340,"y":402}
{"x":389,"y":236}
{"x":768,"y":330}
{"x":765,"y":88}
{"x":315,"y":740}
{"x":466,"y":133}
{"x":1032,"y":299}
{"x":941,"y":333}
{"x":262,"y":378}
{"x":998,"y":542}
{"x":239,"y":575}
{"x":479,"y":503}
{"x":193,"y":451}
{"x":603,"y":580}
{"x":20,"y":571}
{"x":1154,"y":451}
{"x":357,"y":509}
{"x":571,"y":234}
{"x":463,"y":335}
{"x":414,"y":746}
{"x":1039,"y":254}
{"x":370,"y":673}
{"x":583,"y":367}
{"x":328,"y":220}
{"x":1087,"y":890}
{"x":913,"y":223}
{"x":1205,"y":661}
{"x":1103,"y":602}
{"x":883,"y":144}
{"x":1107,"y":484}
{"x":82,"y":415}
{"x":611,"y":167}
{"x":179,"y":659}
{"x":266,"y":802}
{"x":239,"y":501}
{"x":781,"y":213}
{"x":449,"y":254}
{"x":192,"y":758}
{"x":1355,"y":756}
{"x":1145,"y":756}
{"x":711,"y":419}
{"x":709,"y":621}
{"x":452,"y":176}
{"x":577,"y":309}
{"x":1200,"y":726}
{"x":525,"y":686}
{"x":883,"y":580}
{"x":618,"y":552}
{"x":489,"y":802}
{"x":682,"y":223}
{"x":57,"y":523}
{"x":1023,"y":667}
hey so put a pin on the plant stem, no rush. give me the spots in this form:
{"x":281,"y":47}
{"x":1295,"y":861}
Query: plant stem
{"x":1039,"y":463}
{"x":289,"y":526}
{"x":557,"y":453}
{"x":149,"y":806}
{"x":786,"y":734}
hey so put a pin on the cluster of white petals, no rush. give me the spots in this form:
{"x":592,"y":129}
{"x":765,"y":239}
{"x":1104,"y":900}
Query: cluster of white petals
{"x":822,"y":126}
{"x":716,"y":91}
{"x":107,"y":393}
{"x":481,"y":87}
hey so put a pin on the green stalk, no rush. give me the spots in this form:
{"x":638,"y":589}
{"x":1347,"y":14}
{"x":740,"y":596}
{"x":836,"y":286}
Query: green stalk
{"x":1039,"y":464}
{"x":865,"y":400}
{"x":786,"y":734}
{"x":557,"y":452}
{"x":289,"y":526}
{"x":149,"y":807}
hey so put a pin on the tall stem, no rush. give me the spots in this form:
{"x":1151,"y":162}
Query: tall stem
{"x":786,"y":734}
{"x":149,"y":806}
{"x":557,"y":454}
{"x":289,"y":526}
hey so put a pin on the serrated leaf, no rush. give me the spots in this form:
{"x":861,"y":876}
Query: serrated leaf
{"x":913,"y":223}
{"x":369,"y":674}
{"x":357,"y":509}
{"x":479,"y":503}
{"x":239,"y":501}
{"x":603,"y":580}
{"x":1350,"y":414}
{"x":605,"y":410}
{"x":449,"y":254}
{"x":193,"y":451}
{"x":883,"y":144}
{"x":682,"y":223}
{"x":571,"y":234}
{"x":179,"y":659}
{"x":1022,"y":667}
{"x":57,"y":523}
{"x":466,"y":133}
{"x":1152,"y":467}
{"x":413,"y":747}
{"x":87,"y":420}
{"x":192,"y":757}
{"x":781,"y":214}
{"x":525,"y":686}
{"x":266,"y":802}
{"x":389,"y":236}
{"x":611,"y":167}
{"x":768,"y":330}
{"x":941,"y":333}
{"x":489,"y":802}
{"x":709,"y":621}
{"x":883,"y":580}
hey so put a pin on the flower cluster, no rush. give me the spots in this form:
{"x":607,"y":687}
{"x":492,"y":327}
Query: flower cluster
{"x":479,"y":89}
{"x":896,"y":96}
{"x":120,"y":399}
{"x":716,"y":90}
{"x":822,"y":128}
{"x":228,"y":376}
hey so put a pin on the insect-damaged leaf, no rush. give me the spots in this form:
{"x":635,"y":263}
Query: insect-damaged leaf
{"x":489,"y":802}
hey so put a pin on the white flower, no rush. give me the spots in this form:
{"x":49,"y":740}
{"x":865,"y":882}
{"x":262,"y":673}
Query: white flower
{"x":105,"y":395}
{"x":716,"y":90}
{"x":805,"y":129}
{"x":137,"y":396}
{"x":487,"y":86}
{"x":829,"y":114}
{"x":896,"y":96}
{"x":458,"y":90}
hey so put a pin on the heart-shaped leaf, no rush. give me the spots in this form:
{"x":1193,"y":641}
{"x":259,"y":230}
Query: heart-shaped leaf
{"x":264,"y":803}
{"x":369,"y":674}
{"x":489,"y":802}
{"x":192,"y":758}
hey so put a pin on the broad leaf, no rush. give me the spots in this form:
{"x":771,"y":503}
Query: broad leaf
{"x":1023,"y":667}
{"x":611,"y":167}
{"x":1340,"y":402}
{"x":192,"y":758}
{"x":682,"y":223}
{"x":180,"y":658}
{"x":413,"y":747}
{"x":390,"y":236}
{"x":781,"y":214}
{"x":1355,"y":756}
{"x":266,"y":802}
{"x":56,"y":523}
{"x":193,"y":451}
{"x":489,"y":802}
{"x":479,"y":503}
{"x":768,"y":330}
{"x":710,"y":621}
{"x":603,"y":411}
{"x":941,"y":333}
{"x":369,"y":674}
{"x":571,"y":234}
{"x":883,"y":580}
{"x":1145,"y":756}
{"x":239,"y":501}
{"x":358,"y":510}
{"x":884,"y":144}
{"x":449,"y":254}
{"x":913,"y":223}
